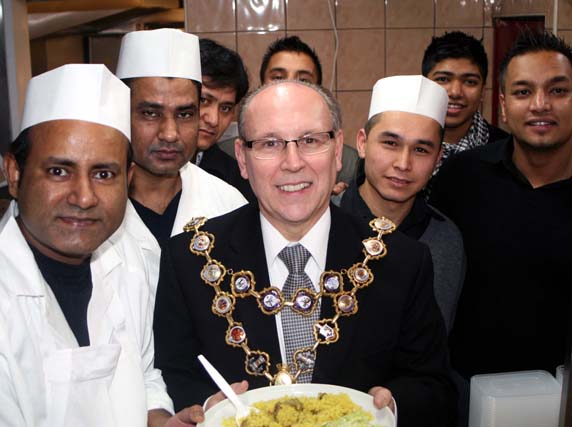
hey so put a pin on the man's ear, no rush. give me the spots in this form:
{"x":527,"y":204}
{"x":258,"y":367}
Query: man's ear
{"x":503,"y":108}
{"x":240,"y":157}
{"x":361,"y":140}
{"x":130,"y":171}
{"x":440,"y":155}
{"x":13,"y":174}
{"x":339,"y":138}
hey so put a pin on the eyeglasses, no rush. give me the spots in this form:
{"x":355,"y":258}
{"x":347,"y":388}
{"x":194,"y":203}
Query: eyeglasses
{"x":308,"y":145}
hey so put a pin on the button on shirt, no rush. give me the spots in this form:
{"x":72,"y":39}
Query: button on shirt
{"x":315,"y":241}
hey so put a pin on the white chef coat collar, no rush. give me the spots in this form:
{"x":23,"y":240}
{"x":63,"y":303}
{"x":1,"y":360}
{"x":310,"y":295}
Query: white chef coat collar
{"x":17,"y":253}
{"x":315,"y":240}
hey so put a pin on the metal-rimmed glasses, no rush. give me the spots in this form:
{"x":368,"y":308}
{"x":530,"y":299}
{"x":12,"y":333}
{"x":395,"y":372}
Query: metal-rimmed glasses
{"x":308,"y":145}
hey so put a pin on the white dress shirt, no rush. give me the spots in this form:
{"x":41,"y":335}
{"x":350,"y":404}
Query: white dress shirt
{"x":315,"y":241}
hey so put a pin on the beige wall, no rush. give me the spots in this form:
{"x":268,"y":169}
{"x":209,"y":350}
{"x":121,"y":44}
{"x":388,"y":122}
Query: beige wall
{"x":377,"y":38}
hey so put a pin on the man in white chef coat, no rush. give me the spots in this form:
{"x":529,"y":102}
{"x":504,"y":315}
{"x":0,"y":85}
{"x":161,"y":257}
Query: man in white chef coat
{"x":76,"y":343}
{"x":163,"y":69}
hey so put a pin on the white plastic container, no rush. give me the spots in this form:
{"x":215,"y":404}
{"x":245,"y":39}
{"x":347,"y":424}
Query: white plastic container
{"x":523,"y":399}
{"x":560,"y":374}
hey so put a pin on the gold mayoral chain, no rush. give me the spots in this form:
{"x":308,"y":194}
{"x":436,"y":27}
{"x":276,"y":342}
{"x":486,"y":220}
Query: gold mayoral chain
{"x":271,"y":301}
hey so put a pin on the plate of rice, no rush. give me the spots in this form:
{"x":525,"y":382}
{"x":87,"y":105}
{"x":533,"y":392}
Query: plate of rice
{"x":303,"y":405}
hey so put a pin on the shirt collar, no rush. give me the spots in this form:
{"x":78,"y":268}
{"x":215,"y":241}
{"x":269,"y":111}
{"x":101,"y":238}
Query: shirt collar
{"x":501,"y":153}
{"x":415,"y":222}
{"x":315,"y":240}
{"x":353,"y":202}
{"x":498,"y":152}
{"x":17,"y":259}
{"x":418,"y":218}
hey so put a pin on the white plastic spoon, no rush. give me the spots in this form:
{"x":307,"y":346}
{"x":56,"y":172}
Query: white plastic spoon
{"x":242,"y":411}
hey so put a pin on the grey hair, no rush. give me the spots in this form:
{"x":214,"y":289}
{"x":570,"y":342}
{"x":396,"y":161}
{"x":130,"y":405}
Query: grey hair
{"x":327,"y":96}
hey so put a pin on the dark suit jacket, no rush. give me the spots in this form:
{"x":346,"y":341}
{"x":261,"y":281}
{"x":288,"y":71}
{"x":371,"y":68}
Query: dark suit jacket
{"x":396,"y":340}
{"x":218,"y":163}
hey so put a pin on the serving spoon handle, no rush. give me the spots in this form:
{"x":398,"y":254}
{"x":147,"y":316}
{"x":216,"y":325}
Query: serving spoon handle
{"x":242,"y":411}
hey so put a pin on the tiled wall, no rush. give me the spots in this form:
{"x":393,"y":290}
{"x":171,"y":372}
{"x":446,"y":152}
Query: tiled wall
{"x":377,"y":38}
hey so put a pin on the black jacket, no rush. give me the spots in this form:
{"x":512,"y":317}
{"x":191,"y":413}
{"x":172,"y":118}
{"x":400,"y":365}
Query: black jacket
{"x":396,"y":340}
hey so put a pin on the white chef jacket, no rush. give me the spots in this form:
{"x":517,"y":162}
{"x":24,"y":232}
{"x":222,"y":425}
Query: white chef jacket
{"x":46,"y":379}
{"x":202,"y":194}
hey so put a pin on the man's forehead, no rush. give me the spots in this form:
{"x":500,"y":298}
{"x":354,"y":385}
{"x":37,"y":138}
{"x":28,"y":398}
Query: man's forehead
{"x":284,"y":96}
{"x":216,"y":92}
{"x":404,"y":123}
{"x":281,"y":101}
{"x":287,"y":91}
{"x":292,"y":60}
{"x":163,"y":86}
{"x":62,"y":133}
{"x":551,"y":61}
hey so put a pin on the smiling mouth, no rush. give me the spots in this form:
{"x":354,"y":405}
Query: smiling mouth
{"x":292,"y":188}
{"x":541,"y":123}
{"x":455,"y":106}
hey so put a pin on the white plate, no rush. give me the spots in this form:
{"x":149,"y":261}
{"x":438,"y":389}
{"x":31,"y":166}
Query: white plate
{"x":224,"y":409}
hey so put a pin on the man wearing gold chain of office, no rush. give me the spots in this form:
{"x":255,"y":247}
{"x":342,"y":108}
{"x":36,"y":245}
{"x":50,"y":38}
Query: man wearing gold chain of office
{"x":292,"y":289}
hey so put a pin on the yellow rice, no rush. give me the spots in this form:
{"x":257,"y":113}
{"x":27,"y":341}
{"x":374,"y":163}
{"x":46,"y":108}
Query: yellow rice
{"x":290,"y":411}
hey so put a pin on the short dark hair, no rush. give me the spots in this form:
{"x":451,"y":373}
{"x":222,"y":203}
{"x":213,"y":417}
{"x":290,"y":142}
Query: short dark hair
{"x":529,"y":41}
{"x":20,"y":149}
{"x":290,"y":44}
{"x":455,"y":45}
{"x":224,"y":67}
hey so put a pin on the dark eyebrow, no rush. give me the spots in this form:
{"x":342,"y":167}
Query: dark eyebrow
{"x":191,"y":107}
{"x":305,"y":73}
{"x":208,"y":96}
{"x":389,"y":134}
{"x":278,"y":69}
{"x":107,"y":165}
{"x":556,"y":79}
{"x":149,"y":104}
{"x":427,"y":142}
{"x":560,"y":79}
{"x":447,"y":73}
{"x":450,"y":73}
{"x":60,"y":161}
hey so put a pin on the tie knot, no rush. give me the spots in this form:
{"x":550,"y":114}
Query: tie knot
{"x":295,"y":257}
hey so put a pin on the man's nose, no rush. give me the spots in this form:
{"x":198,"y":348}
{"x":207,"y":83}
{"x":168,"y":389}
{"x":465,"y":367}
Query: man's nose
{"x":292,"y":159}
{"x":168,"y":131}
{"x":82,"y":193}
{"x":403,"y":160}
{"x":455,"y":89}
{"x":210,"y":116}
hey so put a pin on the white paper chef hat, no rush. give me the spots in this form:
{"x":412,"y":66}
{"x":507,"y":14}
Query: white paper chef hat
{"x":165,"y":52}
{"x":410,"y":94}
{"x":88,"y":92}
